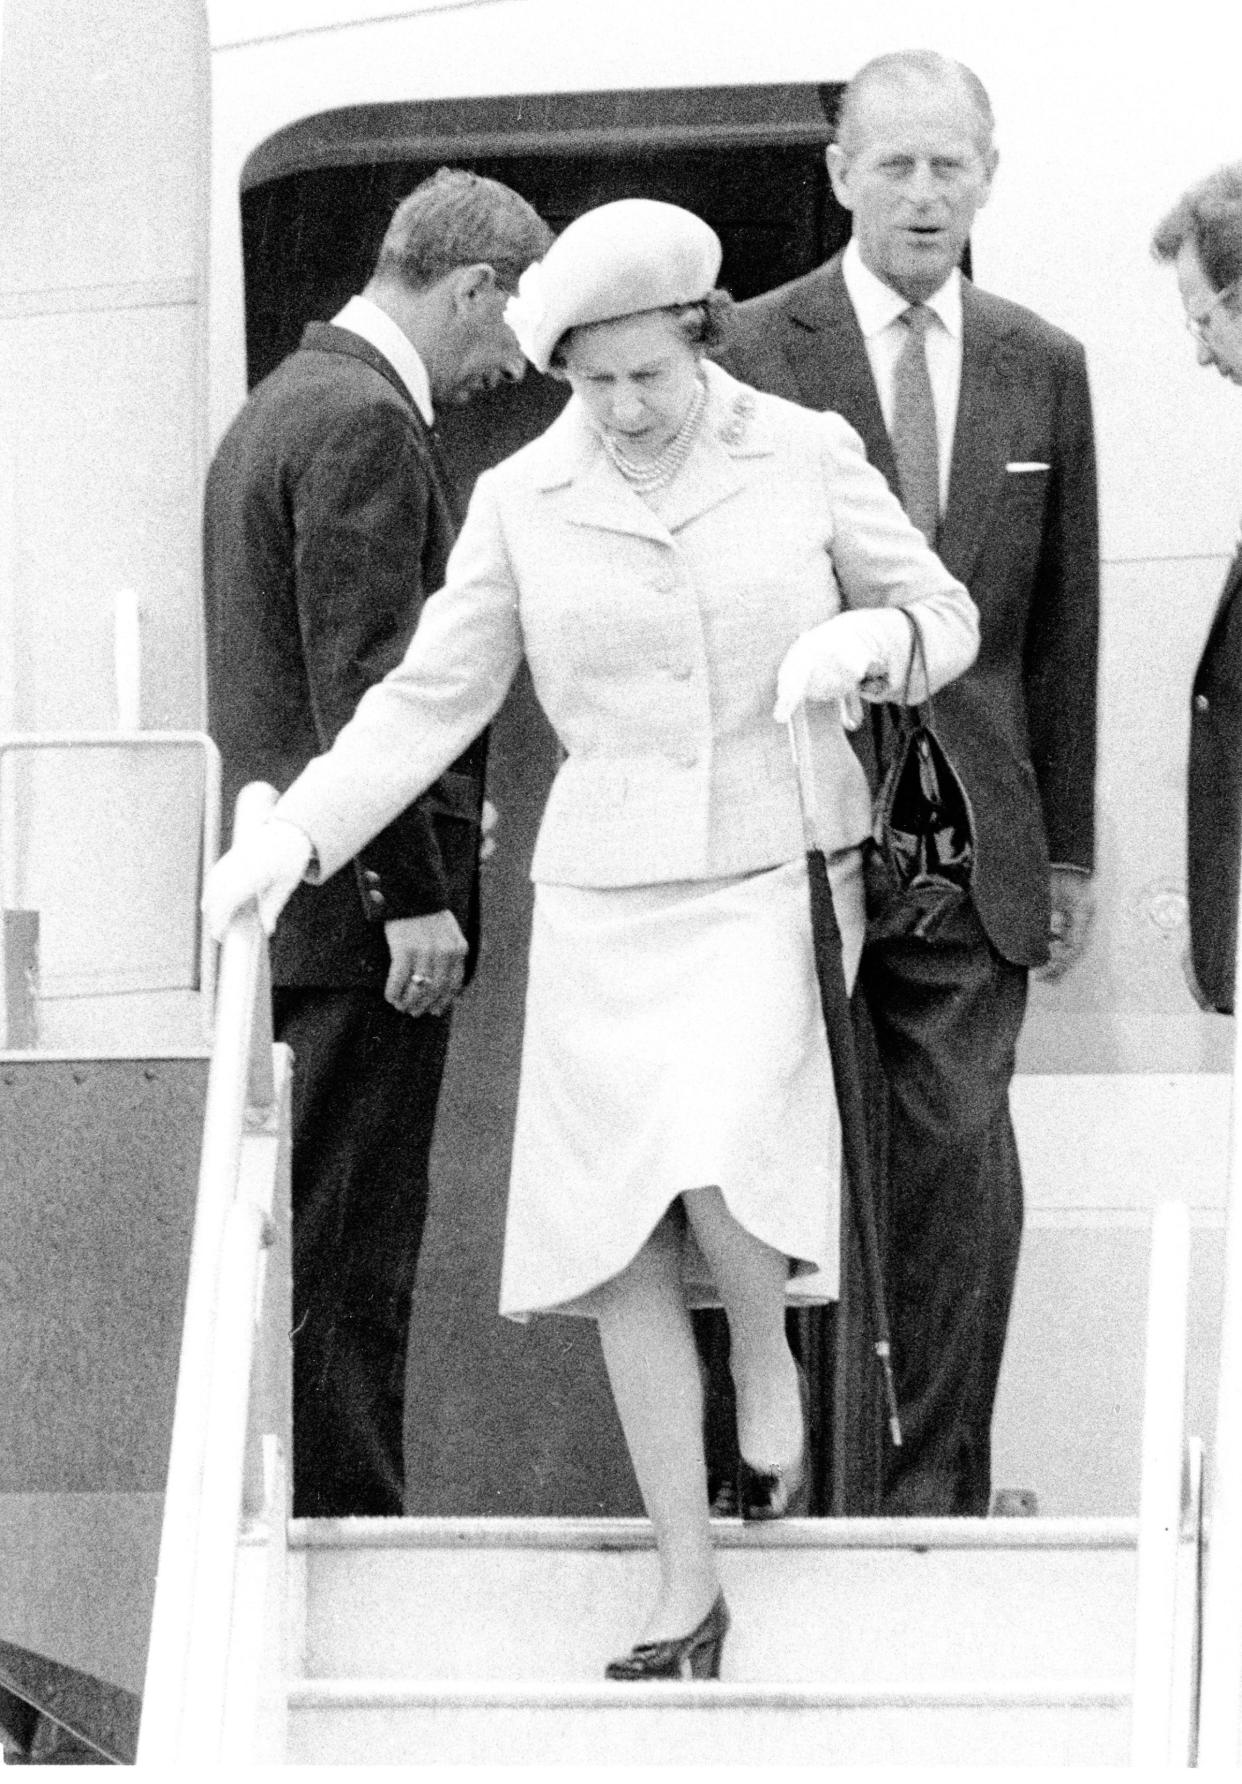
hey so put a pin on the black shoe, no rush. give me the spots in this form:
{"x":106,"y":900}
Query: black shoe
{"x":768,"y":1493}
{"x":693,"y":1656}
{"x":724,"y":1500}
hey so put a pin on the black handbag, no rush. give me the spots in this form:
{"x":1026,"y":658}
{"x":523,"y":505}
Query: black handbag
{"x":920,"y":856}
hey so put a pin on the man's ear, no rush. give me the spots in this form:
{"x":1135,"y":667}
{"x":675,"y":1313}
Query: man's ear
{"x":470,"y":283}
{"x":838,"y":173}
{"x":990,"y":161}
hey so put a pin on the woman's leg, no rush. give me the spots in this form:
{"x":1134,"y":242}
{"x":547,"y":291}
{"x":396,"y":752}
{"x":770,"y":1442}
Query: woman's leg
{"x":750,"y":1278}
{"x":653,"y":1369}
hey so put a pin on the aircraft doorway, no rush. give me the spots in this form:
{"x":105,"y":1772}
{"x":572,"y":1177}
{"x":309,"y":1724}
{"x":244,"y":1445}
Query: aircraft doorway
{"x":503,"y":1419}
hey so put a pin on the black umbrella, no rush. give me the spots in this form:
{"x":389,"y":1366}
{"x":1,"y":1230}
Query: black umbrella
{"x":838,"y":1022}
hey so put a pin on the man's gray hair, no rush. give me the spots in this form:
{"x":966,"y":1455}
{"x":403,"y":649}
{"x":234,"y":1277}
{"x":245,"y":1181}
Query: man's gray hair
{"x":899,"y":68}
{"x":1210,"y":216}
{"x":457,"y":218}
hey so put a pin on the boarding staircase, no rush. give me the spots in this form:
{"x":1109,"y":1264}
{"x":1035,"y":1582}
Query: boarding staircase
{"x":856,"y":1644}
{"x":1015,"y":1640}
{"x":1021,"y":1640}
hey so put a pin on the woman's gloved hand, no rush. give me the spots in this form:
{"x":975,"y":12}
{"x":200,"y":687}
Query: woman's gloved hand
{"x":265,"y":865}
{"x":831,"y":662}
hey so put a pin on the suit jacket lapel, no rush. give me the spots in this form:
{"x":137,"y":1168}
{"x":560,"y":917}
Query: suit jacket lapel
{"x":322,"y":337}
{"x":980,"y":438}
{"x":438,"y":467}
{"x":828,"y":359}
{"x":589,"y":492}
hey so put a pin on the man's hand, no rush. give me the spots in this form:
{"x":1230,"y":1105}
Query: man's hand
{"x":428,"y":963}
{"x":1072,"y":896}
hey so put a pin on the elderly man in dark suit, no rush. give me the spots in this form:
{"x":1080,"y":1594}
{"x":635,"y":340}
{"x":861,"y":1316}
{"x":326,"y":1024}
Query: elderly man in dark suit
{"x":978,"y":413}
{"x":329,"y":519}
{"x":1202,"y":237}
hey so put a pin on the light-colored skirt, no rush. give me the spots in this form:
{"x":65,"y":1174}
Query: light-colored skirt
{"x":674,"y":1040}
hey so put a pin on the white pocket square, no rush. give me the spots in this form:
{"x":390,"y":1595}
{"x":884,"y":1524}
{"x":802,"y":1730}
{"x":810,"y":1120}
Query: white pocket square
{"x":1025,"y":464}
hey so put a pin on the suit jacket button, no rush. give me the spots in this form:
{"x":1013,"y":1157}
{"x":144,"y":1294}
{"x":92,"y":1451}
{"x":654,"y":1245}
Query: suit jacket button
{"x":1201,"y":702}
{"x":376,"y":897}
{"x":370,"y":877}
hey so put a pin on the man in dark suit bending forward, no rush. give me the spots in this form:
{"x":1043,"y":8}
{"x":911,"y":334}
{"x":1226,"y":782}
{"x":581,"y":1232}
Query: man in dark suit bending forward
{"x":329,"y":519}
{"x":978,"y":413}
{"x":1202,"y":238}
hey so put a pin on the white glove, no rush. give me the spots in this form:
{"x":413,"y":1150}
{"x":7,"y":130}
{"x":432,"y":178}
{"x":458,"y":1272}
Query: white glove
{"x":830,"y":662}
{"x":265,"y":865}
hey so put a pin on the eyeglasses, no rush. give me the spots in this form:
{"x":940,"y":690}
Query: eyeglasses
{"x":1196,"y":326}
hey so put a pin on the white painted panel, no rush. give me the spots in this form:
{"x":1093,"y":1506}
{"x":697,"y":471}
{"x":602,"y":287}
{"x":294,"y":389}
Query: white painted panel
{"x":100,"y":410}
{"x":103,"y":155}
{"x":1069,"y":1411}
{"x":108,"y":854}
{"x":1125,"y":1007}
{"x":1099,"y":1153}
{"x":1097,"y":1147}
{"x":102,"y":142}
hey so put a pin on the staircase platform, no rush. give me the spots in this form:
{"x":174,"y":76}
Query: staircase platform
{"x":854,"y":1641}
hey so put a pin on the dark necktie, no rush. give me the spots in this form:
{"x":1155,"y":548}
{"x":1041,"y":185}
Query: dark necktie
{"x":914,"y":426}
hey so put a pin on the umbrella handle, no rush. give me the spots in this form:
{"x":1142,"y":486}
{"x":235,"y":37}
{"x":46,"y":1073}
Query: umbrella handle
{"x":800,"y":748}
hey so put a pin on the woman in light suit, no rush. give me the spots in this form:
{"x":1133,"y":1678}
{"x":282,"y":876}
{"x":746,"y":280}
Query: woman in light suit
{"x":672,"y":557}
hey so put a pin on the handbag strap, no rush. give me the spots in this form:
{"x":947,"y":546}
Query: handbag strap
{"x":923,"y":708}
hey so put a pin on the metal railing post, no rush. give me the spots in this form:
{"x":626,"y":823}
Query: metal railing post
{"x":1160,"y":1500}
{"x":1220,"y":1697}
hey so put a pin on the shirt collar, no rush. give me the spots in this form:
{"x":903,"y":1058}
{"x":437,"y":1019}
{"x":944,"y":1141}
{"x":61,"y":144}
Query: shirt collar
{"x":878,"y":306}
{"x":375,"y":326}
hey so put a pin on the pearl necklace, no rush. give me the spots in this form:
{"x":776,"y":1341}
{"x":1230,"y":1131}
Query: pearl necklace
{"x":653,"y":473}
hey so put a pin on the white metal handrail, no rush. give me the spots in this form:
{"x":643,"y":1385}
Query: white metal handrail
{"x":183,"y":1697}
{"x":1160,"y":1499}
{"x":1220,"y":1695}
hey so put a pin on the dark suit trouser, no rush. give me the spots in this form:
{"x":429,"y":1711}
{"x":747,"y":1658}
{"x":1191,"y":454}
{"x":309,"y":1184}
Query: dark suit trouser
{"x":365,"y":1083}
{"x":946,"y":1015}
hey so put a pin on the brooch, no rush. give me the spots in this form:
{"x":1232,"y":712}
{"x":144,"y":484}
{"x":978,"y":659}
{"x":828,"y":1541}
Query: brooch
{"x":732,"y":430}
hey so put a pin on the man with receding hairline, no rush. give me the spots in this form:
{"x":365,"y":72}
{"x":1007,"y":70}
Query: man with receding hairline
{"x":978,"y":413}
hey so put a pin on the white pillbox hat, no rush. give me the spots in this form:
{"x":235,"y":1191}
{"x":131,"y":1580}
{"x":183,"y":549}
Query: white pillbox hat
{"x":635,"y":254}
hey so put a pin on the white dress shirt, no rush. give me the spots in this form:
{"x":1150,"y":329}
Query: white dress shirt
{"x":361,"y":317}
{"x":879,"y":310}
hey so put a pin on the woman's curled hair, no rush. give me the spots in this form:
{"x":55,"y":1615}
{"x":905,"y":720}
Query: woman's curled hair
{"x":703,"y":323}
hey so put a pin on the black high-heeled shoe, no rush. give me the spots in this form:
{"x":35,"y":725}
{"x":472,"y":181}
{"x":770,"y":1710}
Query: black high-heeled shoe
{"x":767,"y":1493}
{"x":693,"y":1656}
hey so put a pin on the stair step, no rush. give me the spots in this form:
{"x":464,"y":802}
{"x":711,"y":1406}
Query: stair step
{"x":384,"y":1722}
{"x":510,"y":1603}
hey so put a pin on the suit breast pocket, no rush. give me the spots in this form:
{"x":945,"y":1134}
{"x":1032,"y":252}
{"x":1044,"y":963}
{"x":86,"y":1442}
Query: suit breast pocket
{"x":1024,"y":494}
{"x":1027,"y":479}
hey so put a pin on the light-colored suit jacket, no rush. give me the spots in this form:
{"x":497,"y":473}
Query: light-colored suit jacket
{"x":653,"y":638}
